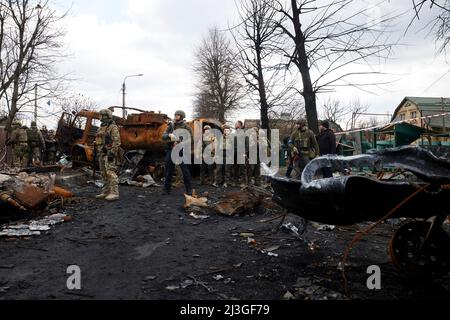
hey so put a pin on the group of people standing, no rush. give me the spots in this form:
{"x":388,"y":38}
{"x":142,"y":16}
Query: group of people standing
{"x":31,"y":146}
{"x":235,"y":171}
{"x":224,"y":171}
{"x":304,"y":146}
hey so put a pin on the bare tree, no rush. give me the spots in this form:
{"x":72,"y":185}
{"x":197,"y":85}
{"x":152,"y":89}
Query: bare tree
{"x":30,"y":46}
{"x":217,"y":74}
{"x":73,"y":103}
{"x":370,"y":123}
{"x":330,"y":43}
{"x":440,"y":24}
{"x":204,"y":105}
{"x":356,"y":110}
{"x":334,"y":110}
{"x":257,"y":39}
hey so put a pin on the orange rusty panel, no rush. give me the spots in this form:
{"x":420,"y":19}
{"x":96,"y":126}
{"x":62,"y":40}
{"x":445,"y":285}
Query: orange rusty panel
{"x":31,"y":197}
{"x":143,"y":137}
{"x":146,"y":118}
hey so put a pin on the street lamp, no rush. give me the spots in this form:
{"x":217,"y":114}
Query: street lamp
{"x":124,"y":112}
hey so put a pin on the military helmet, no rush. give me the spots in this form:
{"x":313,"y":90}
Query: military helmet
{"x":180,"y":113}
{"x":207,"y":127}
{"x":33,"y":124}
{"x":302,"y":122}
{"x":106,"y":113}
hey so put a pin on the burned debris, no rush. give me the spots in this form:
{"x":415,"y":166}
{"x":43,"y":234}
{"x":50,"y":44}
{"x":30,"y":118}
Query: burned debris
{"x":29,"y":197}
{"x":418,"y":248}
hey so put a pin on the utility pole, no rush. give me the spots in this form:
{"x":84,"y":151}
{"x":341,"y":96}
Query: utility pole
{"x":35,"y":103}
{"x":124,"y":112}
{"x":443,"y":116}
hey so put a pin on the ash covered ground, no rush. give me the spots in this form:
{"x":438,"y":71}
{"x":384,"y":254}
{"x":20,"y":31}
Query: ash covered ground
{"x":146,"y":246}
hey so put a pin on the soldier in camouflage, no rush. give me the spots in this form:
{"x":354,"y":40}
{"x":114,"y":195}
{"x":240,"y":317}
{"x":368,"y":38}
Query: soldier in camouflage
{"x":206,"y":169}
{"x":51,"y":145}
{"x":36,"y":144}
{"x":224,"y":172}
{"x":19,"y":142}
{"x":107,"y":143}
{"x":303,"y":146}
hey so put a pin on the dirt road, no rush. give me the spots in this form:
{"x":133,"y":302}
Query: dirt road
{"x":146,"y":247}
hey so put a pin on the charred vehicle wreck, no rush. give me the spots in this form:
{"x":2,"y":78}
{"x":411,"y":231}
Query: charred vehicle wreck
{"x":407,"y":182}
{"x":143,"y":149}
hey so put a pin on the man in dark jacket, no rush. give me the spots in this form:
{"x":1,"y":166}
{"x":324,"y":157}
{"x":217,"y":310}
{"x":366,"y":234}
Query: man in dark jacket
{"x":173,"y":140}
{"x":327,"y":144}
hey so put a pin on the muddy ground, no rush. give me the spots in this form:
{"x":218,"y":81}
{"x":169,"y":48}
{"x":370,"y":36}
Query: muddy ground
{"x":147,"y":247}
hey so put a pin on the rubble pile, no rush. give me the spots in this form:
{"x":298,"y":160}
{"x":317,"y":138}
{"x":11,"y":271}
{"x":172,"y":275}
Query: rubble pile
{"x":23,"y":194}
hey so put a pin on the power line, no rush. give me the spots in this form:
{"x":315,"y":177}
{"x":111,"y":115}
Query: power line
{"x":435,"y":82}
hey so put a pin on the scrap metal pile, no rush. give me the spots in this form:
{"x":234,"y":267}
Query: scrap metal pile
{"x":29,"y":196}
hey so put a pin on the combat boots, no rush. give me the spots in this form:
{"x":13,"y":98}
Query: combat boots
{"x":113,"y":194}
{"x":104,"y":194}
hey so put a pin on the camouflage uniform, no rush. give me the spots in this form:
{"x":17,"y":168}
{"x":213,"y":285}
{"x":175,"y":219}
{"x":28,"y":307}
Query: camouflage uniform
{"x":19,"y":141}
{"x":107,"y":142}
{"x":50,"y":147}
{"x":207,"y":169}
{"x":304,"y":146}
{"x":36,"y":144}
{"x":240,"y":171}
{"x":224,"y":172}
{"x":254,"y":170}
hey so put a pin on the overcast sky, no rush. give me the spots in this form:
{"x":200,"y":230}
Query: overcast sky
{"x":111,"y":39}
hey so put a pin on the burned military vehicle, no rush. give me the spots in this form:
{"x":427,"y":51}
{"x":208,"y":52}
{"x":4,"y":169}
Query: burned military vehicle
{"x":143,"y":148}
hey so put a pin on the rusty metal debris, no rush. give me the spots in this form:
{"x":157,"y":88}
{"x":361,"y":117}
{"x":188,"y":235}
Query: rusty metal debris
{"x":238,"y":202}
{"x":25,"y":195}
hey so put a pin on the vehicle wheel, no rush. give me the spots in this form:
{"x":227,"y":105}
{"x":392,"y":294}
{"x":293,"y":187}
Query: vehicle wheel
{"x":432,"y":261}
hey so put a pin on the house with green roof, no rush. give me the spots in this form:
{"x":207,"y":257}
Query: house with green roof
{"x":412,"y":109}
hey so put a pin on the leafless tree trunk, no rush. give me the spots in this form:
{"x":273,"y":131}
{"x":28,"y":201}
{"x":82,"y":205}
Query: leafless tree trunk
{"x":258,"y":41}
{"x":326,"y":38}
{"x":217,"y":75}
{"x":30,"y":46}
